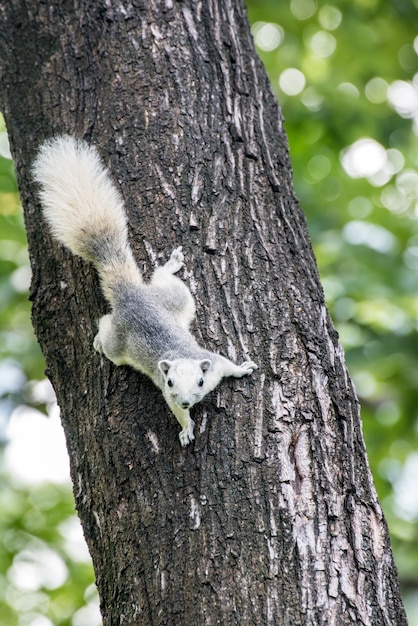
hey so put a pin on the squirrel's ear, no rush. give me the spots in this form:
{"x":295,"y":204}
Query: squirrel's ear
{"x":164,"y":366}
{"x":205,"y":365}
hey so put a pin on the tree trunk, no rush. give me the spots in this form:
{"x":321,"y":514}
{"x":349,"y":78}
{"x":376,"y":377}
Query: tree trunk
{"x":271,"y":516}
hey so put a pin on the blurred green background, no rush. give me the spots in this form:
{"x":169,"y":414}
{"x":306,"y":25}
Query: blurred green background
{"x":346,"y":76}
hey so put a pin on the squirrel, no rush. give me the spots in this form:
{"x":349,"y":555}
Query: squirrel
{"x":148,"y":327}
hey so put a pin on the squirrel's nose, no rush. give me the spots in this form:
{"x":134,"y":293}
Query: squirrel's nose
{"x":185,"y":405}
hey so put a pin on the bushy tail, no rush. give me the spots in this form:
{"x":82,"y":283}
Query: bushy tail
{"x":84,"y":209}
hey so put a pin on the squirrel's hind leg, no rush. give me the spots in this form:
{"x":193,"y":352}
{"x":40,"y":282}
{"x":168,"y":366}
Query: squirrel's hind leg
{"x":173,"y":293}
{"x":163,"y":274}
{"x":108,"y":340}
{"x":175,"y":262}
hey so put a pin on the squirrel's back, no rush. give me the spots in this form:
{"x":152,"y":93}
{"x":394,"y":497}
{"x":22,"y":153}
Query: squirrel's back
{"x":83,"y":208}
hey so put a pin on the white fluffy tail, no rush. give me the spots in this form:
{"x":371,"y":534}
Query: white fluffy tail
{"x":83,"y":208}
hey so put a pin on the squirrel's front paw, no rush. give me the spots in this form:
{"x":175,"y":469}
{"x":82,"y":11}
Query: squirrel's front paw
{"x":248,"y":367}
{"x":176,"y":260}
{"x":186,"y":436}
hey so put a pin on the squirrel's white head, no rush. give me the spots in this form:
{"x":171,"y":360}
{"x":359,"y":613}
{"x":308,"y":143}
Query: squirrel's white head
{"x":184,"y":380}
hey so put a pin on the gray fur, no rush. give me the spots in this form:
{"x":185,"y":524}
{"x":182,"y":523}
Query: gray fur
{"x":148,"y":327}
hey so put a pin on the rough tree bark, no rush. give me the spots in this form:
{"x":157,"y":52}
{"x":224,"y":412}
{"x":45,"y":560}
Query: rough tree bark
{"x":271,"y":516}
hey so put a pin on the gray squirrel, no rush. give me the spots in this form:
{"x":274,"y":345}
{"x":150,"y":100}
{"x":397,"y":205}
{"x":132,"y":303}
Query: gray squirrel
{"x":148,"y":327}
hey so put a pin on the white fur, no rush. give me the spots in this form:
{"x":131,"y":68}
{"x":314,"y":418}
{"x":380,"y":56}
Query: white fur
{"x":77,"y":192}
{"x":148,"y":327}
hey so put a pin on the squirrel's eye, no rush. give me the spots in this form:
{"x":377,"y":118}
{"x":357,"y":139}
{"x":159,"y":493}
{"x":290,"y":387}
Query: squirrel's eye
{"x":169,"y":382}
{"x":200,"y":382}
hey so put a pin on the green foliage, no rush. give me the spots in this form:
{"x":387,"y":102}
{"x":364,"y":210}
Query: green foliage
{"x":40,"y":573}
{"x":17,"y":342}
{"x":343,"y":72}
{"x":44,"y":578}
